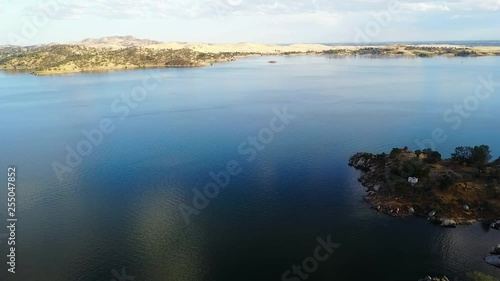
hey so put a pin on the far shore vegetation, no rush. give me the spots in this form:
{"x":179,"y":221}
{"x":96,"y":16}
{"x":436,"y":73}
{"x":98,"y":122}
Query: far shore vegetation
{"x":68,"y":58}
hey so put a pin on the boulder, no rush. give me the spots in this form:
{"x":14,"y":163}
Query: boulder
{"x":493,"y":260}
{"x":449,"y":223}
{"x":432,"y":214}
{"x":495,"y":250}
{"x":466,"y":207}
{"x":411,"y":210}
{"x":495,"y":225}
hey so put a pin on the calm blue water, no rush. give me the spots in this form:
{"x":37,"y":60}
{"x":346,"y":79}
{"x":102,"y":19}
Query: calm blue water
{"x":119,"y":208}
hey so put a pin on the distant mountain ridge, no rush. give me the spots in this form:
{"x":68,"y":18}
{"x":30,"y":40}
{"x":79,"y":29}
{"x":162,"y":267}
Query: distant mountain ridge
{"x":123,"y":41}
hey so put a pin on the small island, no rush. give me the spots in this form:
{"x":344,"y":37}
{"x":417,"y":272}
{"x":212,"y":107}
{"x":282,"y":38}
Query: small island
{"x":461,"y":190}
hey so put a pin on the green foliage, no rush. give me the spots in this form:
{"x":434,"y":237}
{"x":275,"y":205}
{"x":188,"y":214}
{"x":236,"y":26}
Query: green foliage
{"x":411,"y":168}
{"x":462,"y":154}
{"x":85,"y":58}
{"x":433,"y":157}
{"x":491,"y":190}
{"x":403,"y":189}
{"x":437,"y":207}
{"x":479,"y":276}
{"x":481,"y":155}
{"x":494,"y":173}
{"x":478,"y":156}
{"x":445,"y":182}
{"x":395,"y":152}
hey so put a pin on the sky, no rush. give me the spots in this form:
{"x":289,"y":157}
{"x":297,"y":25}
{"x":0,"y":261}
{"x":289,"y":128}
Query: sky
{"x":29,"y":22}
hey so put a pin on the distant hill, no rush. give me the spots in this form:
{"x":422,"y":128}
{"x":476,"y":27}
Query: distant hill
{"x":128,"y":52}
{"x":61,"y":59}
{"x":121,"y":41}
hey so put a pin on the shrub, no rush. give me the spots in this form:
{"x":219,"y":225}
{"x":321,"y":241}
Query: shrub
{"x":433,"y":157}
{"x":445,"y":182}
{"x":479,"y":276}
{"x":395,"y":152}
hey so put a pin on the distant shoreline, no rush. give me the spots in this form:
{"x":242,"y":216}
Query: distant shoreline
{"x":96,"y":56}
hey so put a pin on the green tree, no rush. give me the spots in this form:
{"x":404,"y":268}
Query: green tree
{"x":395,"y":152}
{"x":433,"y":157}
{"x":462,"y":154}
{"x":481,"y":155}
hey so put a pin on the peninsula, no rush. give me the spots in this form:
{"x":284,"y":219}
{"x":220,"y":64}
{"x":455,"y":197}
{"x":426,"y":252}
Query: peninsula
{"x":127,"y":52}
{"x":460,"y":190}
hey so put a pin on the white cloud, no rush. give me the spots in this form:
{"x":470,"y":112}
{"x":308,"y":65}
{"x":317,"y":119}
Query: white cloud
{"x":424,"y":7}
{"x":221,"y":8}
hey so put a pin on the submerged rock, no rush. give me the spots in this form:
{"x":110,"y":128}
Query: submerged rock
{"x":493,"y":260}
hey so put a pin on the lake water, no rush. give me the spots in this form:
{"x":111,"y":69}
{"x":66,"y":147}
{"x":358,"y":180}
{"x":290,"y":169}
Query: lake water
{"x":119,"y":208}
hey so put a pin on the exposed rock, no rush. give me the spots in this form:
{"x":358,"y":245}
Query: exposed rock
{"x":493,"y":260}
{"x":411,"y":210}
{"x":449,"y":223}
{"x":495,"y":250}
{"x":495,"y":225}
{"x":432,"y":214}
{"x":466,"y":207}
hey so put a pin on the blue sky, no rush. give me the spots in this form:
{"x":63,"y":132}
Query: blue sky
{"x":26,"y":22}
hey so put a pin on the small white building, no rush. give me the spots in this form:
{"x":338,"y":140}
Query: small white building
{"x":413,"y":180}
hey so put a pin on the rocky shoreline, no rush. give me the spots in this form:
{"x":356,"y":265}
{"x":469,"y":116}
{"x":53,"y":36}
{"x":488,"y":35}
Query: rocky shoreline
{"x":393,"y":195}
